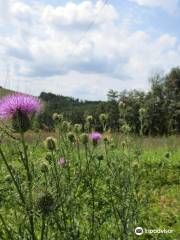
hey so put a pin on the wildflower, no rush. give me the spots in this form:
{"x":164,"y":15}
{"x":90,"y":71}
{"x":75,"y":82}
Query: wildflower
{"x":18,"y":107}
{"x":45,"y":203}
{"x":12,"y":104}
{"x":95,"y":137}
{"x":50,"y":143}
{"x":61,"y":161}
{"x":84,"y":138}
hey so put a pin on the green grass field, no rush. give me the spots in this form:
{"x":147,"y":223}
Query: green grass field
{"x":69,"y":186}
{"x":97,"y":186}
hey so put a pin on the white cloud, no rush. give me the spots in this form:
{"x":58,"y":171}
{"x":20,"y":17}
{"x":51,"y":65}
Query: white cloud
{"x":79,"y":15}
{"x":168,"y":5}
{"x":4,"y":10}
{"x":45,"y":47}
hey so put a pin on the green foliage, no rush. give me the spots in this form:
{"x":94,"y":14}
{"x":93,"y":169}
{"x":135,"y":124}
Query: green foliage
{"x":161,"y":104}
{"x":101,"y":192}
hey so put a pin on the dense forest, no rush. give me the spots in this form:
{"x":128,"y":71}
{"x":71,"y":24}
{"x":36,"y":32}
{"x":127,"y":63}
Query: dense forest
{"x":155,"y":112}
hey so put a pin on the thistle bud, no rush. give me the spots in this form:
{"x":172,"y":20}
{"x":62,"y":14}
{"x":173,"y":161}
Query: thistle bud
{"x":89,"y":118}
{"x":95,"y":137}
{"x":142,"y":112}
{"x":57,"y":117}
{"x":50,"y":143}
{"x":84,"y":138}
{"x":71,"y":137}
{"x":167,"y":155}
{"x":122,"y":104}
{"x":135,"y":165}
{"x":100,"y":157}
{"x":65,"y":126}
{"x":106,"y":139}
{"x":77,"y":128}
{"x":45,"y":203}
{"x":103,"y":117}
{"x":123,"y":144}
{"x":48,"y":157}
{"x":126,"y":129}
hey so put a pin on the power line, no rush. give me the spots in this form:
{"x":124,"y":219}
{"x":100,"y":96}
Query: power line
{"x":92,"y":23}
{"x":89,"y":27}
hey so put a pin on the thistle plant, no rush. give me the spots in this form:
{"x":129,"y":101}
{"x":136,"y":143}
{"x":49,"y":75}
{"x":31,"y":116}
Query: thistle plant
{"x":89,"y":123}
{"x":103,"y":120}
{"x":95,"y":137}
{"x":122,"y":112}
{"x":75,"y":185}
{"x":18,"y":108}
{"x":142,"y":116}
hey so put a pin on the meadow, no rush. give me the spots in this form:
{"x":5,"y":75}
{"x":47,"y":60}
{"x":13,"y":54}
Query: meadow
{"x":85,"y":190}
{"x":77,"y":183}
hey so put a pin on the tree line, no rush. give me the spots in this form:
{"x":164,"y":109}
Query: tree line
{"x":155,"y":112}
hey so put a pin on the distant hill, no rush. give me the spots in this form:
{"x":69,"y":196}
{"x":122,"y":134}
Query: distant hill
{"x":4,"y":92}
{"x":73,"y":109}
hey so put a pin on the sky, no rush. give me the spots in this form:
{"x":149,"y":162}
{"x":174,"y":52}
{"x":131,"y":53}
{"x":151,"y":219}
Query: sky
{"x":83,"y":48}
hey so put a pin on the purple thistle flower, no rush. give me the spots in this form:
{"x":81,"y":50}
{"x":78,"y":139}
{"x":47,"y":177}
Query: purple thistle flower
{"x":61,"y":161}
{"x":12,"y":104}
{"x":95,"y":136}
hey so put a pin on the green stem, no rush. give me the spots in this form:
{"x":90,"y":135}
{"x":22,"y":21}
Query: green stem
{"x":29,"y":177}
{"x":43,"y":227}
{"x":13,"y":178}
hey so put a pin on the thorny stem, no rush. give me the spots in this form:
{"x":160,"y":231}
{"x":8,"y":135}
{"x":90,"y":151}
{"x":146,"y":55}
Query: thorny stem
{"x":13,"y":178}
{"x":30,"y":215}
